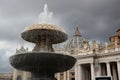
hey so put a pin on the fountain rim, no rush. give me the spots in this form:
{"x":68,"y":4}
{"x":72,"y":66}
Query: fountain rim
{"x":47,"y":26}
{"x":44,"y":52}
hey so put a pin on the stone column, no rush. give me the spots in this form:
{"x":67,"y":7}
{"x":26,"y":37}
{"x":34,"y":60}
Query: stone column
{"x":79,"y":72}
{"x":15,"y":74}
{"x":58,"y":76}
{"x":98,"y":70}
{"x":76,"y":72}
{"x":25,"y":75}
{"x":68,"y":75}
{"x":118,"y":68}
{"x":92,"y":72}
{"x":108,"y":69}
{"x":64,"y":76}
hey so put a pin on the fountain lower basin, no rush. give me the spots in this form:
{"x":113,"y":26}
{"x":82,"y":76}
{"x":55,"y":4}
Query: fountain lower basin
{"x":42,"y":64}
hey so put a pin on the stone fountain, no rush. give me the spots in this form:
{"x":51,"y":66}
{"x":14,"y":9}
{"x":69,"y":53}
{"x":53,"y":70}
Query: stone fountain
{"x":43,"y":62}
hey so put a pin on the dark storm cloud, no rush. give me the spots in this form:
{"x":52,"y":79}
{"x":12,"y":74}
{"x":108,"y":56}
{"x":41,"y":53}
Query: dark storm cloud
{"x":101,"y":15}
{"x":97,"y":19}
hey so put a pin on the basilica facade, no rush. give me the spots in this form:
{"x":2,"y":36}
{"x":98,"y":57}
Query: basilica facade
{"x":94,"y":59}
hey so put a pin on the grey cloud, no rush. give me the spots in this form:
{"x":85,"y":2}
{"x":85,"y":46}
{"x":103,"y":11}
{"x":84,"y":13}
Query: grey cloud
{"x":4,"y":62}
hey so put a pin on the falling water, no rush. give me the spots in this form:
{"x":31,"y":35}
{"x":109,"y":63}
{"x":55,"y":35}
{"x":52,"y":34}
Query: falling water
{"x":45,"y":16}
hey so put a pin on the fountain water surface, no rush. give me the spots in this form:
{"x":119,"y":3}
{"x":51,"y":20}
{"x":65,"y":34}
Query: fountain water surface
{"x":43,"y":62}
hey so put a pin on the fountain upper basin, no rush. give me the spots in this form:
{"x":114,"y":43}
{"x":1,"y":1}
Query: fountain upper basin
{"x":42,"y":62}
{"x":38,"y":32}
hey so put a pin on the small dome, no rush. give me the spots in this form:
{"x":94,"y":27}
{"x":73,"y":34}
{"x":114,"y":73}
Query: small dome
{"x":76,"y":41}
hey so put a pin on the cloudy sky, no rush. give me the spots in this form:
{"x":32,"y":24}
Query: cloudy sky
{"x":97,"y":19}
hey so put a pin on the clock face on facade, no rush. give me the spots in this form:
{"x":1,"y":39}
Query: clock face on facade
{"x":103,"y":78}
